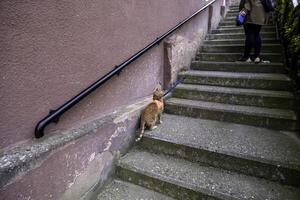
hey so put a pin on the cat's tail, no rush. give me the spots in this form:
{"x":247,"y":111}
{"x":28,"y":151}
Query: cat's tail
{"x":142,"y":130}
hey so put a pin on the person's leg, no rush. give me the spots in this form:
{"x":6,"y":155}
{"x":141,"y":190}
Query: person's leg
{"x":247,"y":28}
{"x":257,"y":41}
{"x":249,"y":34}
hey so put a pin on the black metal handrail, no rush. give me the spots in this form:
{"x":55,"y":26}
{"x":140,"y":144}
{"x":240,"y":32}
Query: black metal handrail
{"x":55,"y":114}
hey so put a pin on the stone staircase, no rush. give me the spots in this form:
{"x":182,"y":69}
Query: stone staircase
{"x":228,"y":131}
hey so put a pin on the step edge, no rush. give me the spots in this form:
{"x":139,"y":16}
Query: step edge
{"x":174,"y":181}
{"x":279,"y":64}
{"x":288,"y":116}
{"x":237,"y":91}
{"x":241,"y":75}
{"x":273,"y":163}
{"x":197,"y":188}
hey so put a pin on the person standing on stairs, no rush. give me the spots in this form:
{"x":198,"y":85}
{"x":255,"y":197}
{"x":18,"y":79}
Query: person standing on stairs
{"x":255,"y":18}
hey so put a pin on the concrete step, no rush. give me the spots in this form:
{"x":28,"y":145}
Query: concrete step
{"x":238,"y":41}
{"x":238,"y":67}
{"x":231,"y":56}
{"x":238,"y":35}
{"x":238,"y":80}
{"x":240,"y":29}
{"x":230,"y":18}
{"x":237,"y":96}
{"x":228,"y":23}
{"x":235,"y":6}
{"x":259,"y":152}
{"x":279,"y":119}
{"x":232,"y":12}
{"x":118,"y":190}
{"x":182,"y":179}
{"x":266,"y":48}
{"x":231,"y":15}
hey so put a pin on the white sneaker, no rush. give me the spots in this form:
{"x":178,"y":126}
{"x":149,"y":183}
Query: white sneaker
{"x":257,"y":60}
{"x":248,"y":60}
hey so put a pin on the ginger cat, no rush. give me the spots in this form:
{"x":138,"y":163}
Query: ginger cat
{"x":151,"y":115}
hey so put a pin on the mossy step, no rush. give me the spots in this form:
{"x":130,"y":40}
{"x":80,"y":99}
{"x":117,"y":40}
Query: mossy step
{"x":245,"y":149}
{"x":241,"y":29}
{"x":238,"y":35}
{"x":232,"y":56}
{"x":239,"y":80}
{"x":238,"y":41}
{"x":238,"y":67}
{"x":279,"y":119}
{"x":237,"y":96}
{"x":266,"y":48}
{"x":118,"y":190}
{"x":182,"y":179}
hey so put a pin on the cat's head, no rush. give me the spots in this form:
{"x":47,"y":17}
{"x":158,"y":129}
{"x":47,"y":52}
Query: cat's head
{"x":158,"y":93}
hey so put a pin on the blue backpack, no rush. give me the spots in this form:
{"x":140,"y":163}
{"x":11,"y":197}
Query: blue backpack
{"x":268,"y":5}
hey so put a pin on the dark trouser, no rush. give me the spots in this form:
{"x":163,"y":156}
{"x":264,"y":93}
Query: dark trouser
{"x":252,"y":39}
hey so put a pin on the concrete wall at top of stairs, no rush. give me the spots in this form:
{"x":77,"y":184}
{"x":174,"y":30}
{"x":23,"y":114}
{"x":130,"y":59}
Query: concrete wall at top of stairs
{"x":180,"y":48}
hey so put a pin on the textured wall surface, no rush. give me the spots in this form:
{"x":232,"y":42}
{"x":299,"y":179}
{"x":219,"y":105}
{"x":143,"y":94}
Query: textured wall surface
{"x":51,"y":50}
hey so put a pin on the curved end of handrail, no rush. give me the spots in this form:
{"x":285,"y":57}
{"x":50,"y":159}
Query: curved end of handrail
{"x":39,"y":130}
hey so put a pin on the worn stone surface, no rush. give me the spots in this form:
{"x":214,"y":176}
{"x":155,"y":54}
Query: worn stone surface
{"x":235,"y":29}
{"x":238,"y":96}
{"x":239,"y":80}
{"x":238,"y":35}
{"x":118,"y":190}
{"x":240,"y":29}
{"x":200,"y":179}
{"x":228,"y":23}
{"x":257,"y":116}
{"x":237,"y":41}
{"x":255,"y":151}
{"x":273,"y":57}
{"x":266,"y":48}
{"x":237,"y":67}
{"x":269,"y":146}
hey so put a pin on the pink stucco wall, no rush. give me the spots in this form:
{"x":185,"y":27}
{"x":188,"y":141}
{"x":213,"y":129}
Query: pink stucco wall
{"x":51,"y":50}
